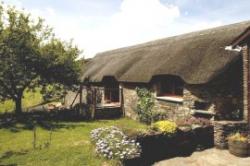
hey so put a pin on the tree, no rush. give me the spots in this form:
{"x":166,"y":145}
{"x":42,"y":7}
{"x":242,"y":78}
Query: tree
{"x":31,"y":55}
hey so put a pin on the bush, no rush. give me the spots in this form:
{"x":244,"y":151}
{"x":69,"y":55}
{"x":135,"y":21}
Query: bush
{"x":238,"y":137}
{"x":167,"y":127}
{"x":145,"y":105}
{"x":194,"y":122}
{"x":111,"y":142}
{"x":160,"y":115}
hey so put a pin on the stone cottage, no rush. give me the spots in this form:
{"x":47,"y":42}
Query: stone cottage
{"x":202,"y":73}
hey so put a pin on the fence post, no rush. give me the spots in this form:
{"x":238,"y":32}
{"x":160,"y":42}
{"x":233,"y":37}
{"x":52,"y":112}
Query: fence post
{"x":80,"y":98}
{"x":93,"y":104}
{"x":34,"y":136}
{"x":122,"y":101}
{"x":71,"y":106}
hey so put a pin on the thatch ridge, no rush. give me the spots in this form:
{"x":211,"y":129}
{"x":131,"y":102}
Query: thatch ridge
{"x":196,"y":57}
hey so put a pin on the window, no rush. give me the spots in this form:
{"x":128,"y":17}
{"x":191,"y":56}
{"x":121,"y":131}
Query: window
{"x":111,"y":90}
{"x":170,"y":86}
{"x":111,"y":94}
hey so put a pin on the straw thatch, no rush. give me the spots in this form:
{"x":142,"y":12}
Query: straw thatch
{"x":196,"y":57}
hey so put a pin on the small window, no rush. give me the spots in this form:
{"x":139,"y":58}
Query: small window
{"x":111,"y":94}
{"x":111,"y":90}
{"x":170,"y":86}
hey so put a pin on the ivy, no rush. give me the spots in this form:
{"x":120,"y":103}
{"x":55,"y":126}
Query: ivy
{"x":145,"y":105}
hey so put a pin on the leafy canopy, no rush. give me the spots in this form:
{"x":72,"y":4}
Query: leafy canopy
{"x":31,"y":55}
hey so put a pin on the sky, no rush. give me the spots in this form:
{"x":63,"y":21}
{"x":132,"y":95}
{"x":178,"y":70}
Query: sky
{"x":100,"y":25}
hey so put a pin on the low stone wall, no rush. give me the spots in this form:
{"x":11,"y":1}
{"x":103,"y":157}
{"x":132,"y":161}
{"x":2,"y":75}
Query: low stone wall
{"x":157,"y":146}
{"x":222,"y":129}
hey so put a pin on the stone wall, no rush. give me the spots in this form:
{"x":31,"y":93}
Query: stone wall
{"x":172,"y":110}
{"x":215,"y":103}
{"x":222,"y":129}
{"x":130,"y":100}
{"x":245,"y":54}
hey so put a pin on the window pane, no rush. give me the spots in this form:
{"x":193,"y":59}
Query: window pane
{"x":169,"y":86}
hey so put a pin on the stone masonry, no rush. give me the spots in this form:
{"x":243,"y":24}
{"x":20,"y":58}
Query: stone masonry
{"x":222,"y":129}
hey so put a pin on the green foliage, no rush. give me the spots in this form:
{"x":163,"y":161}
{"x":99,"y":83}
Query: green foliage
{"x":30,"y":55}
{"x":165,"y":126}
{"x":55,"y":91}
{"x":160,"y":115}
{"x":145,"y":105}
{"x":7,"y":106}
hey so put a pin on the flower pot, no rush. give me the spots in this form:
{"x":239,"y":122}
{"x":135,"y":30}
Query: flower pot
{"x":240,"y":149}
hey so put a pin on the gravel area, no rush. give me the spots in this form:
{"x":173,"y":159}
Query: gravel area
{"x":209,"y":157}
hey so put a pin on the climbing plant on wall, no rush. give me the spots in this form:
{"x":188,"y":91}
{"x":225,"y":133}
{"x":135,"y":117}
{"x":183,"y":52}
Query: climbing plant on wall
{"x":145,"y":105}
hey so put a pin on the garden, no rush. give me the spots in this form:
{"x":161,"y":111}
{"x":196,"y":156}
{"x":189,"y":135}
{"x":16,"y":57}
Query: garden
{"x":56,"y":138}
{"x":160,"y":139}
{"x":59,"y":137}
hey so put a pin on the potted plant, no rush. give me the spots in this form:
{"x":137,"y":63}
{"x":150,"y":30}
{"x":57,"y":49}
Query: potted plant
{"x":238,"y":144}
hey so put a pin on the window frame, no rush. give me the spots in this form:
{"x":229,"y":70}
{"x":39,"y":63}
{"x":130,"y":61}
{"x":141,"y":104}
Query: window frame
{"x":111,"y":94}
{"x":167,"y":89}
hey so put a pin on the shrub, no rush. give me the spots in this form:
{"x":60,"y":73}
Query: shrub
{"x":167,"y":127}
{"x":111,"y":143}
{"x":194,"y":122}
{"x":160,"y":115}
{"x":238,"y":137}
{"x":145,"y":105}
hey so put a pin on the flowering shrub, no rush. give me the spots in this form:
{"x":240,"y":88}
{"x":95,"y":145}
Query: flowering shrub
{"x":111,"y":142}
{"x":193,"y":121}
{"x":165,"y":126}
{"x":238,"y":137}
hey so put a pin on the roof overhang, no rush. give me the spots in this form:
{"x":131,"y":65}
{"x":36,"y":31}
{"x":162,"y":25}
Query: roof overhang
{"x":242,"y":39}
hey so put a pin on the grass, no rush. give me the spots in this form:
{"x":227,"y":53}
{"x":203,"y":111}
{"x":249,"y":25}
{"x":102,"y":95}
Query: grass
{"x":30,"y":99}
{"x":70,"y":144}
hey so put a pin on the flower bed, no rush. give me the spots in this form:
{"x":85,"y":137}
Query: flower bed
{"x":162,"y":140}
{"x":193,"y":122}
{"x":112,"y":143}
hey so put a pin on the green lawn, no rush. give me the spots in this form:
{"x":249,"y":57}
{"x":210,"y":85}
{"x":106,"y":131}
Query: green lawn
{"x":70,"y":143}
{"x":30,"y":99}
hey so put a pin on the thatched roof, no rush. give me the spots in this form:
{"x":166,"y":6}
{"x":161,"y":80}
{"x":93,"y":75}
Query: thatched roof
{"x":195,"y":57}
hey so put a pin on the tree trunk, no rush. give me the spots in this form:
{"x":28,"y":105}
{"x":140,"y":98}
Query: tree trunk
{"x":18,"y":102}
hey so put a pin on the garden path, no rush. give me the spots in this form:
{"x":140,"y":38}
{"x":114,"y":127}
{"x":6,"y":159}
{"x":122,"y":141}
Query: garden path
{"x":209,"y":157}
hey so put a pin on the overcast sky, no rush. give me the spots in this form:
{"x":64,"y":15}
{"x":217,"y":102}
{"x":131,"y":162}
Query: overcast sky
{"x":99,"y":25}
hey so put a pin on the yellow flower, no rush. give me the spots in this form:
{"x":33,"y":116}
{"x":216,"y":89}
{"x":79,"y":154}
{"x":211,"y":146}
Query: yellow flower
{"x":238,"y":137}
{"x":165,"y":126}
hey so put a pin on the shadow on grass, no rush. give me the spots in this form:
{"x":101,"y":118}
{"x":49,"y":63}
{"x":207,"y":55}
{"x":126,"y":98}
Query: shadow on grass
{"x":52,"y":120}
{"x":8,"y":154}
